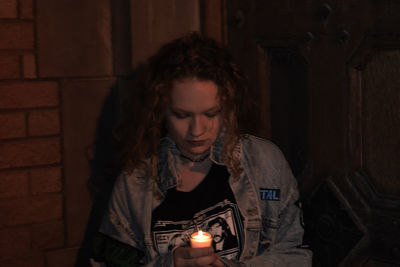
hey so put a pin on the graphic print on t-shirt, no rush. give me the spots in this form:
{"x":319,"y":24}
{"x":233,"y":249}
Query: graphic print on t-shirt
{"x":222,"y":221}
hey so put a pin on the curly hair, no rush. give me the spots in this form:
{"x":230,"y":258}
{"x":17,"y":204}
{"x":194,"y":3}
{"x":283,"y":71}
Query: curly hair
{"x":142,"y":122}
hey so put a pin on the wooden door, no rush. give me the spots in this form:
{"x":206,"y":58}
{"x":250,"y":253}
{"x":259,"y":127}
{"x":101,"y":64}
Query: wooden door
{"x":326,"y":81}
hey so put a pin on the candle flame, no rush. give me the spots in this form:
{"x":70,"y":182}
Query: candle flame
{"x":200,"y":239}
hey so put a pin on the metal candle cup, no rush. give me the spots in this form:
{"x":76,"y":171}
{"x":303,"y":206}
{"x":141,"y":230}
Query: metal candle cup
{"x":200,"y":239}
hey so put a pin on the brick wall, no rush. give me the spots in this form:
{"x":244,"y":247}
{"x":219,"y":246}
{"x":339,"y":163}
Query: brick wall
{"x":58,"y":62}
{"x":31,"y":199}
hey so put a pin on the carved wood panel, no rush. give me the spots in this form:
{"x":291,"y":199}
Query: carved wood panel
{"x":380,"y":89}
{"x":374,"y":120}
{"x":374,"y":157}
{"x":329,"y":76}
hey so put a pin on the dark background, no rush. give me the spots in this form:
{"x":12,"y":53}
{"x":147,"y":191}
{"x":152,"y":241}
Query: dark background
{"x":325,"y":86}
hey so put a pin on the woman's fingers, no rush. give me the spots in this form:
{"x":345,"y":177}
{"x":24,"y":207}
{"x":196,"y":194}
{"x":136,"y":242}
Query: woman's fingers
{"x":188,"y":253}
{"x":218,"y":262}
{"x":201,"y":257}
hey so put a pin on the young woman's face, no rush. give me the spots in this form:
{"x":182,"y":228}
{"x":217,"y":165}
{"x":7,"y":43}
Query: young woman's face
{"x":193,"y":115}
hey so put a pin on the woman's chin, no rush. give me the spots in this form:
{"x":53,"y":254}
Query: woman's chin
{"x":196,"y":151}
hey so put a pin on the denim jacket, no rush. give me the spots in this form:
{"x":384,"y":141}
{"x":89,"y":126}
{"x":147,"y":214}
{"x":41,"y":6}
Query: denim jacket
{"x":265,"y":192}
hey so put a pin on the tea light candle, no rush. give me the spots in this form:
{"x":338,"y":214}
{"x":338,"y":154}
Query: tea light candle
{"x":200,"y":239}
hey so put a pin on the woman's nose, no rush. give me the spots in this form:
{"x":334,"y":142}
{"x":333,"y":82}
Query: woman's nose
{"x":198,"y":126}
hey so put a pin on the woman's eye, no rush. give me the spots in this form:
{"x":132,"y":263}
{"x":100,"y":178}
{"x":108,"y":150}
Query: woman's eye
{"x":180,"y":115}
{"x":211,"y":115}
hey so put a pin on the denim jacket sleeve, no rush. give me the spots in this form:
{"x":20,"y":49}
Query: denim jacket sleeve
{"x":285,"y":238}
{"x":281,"y":233}
{"x":125,"y":222}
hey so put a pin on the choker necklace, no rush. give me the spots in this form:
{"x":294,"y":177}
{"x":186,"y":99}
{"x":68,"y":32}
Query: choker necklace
{"x":200,"y":158}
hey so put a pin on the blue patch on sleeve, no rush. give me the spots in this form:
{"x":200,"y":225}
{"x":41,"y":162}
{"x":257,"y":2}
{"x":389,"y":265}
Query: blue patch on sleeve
{"x":270,"y":194}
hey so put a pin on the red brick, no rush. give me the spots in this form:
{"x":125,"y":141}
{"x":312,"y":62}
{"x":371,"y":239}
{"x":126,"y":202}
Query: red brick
{"x":16,"y":35}
{"x":29,"y":152}
{"x":29,"y":66}
{"x":62,"y":258}
{"x":28,"y":94}
{"x":14,"y":184}
{"x":44,"y":122}
{"x":30,"y":261}
{"x":8,"y":9}
{"x":15,"y":242}
{"x":30,"y":210}
{"x":25,"y":9}
{"x":48,"y":235}
{"x":46,"y":180}
{"x":9,"y":66}
{"x":12,"y":125}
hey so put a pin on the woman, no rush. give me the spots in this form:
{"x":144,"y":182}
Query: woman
{"x":185,"y":165}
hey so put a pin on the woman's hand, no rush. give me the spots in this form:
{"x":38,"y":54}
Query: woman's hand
{"x":196,"y":257}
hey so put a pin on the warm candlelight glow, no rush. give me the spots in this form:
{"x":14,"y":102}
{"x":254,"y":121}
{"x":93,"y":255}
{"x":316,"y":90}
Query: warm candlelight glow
{"x":200,"y":239}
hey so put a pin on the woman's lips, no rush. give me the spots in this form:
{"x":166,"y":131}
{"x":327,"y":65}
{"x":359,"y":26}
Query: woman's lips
{"x":196,"y":143}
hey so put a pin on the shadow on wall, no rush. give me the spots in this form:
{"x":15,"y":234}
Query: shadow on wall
{"x":103,"y":166}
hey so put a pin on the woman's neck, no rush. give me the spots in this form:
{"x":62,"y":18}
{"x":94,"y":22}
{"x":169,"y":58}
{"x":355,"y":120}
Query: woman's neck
{"x":192,"y":173}
{"x":195,"y":158}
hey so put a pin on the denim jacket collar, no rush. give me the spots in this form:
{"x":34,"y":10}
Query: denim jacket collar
{"x":169,"y":165}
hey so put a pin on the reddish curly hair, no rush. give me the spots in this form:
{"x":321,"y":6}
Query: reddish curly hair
{"x":142,"y":121}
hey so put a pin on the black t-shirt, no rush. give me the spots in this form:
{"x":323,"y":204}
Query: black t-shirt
{"x":210,"y":207}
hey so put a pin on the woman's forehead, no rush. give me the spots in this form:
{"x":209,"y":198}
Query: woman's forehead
{"x":192,"y":93}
